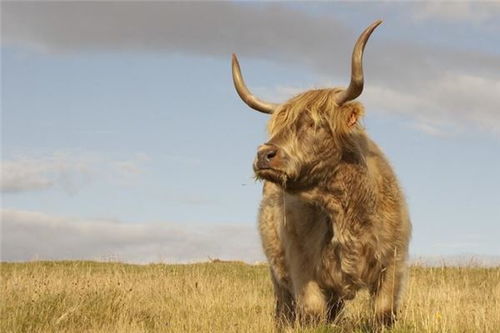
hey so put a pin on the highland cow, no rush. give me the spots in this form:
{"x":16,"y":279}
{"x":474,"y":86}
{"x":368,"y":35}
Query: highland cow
{"x":333,"y":218}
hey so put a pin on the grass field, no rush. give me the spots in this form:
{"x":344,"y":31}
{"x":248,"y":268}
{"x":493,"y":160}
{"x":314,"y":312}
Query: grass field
{"x":82,"y":296}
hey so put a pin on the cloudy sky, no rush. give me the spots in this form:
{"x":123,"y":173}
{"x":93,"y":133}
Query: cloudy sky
{"x":123,"y":137}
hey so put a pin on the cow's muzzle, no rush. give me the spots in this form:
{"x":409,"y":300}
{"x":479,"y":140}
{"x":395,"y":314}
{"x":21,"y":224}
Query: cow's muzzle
{"x":269,"y":157}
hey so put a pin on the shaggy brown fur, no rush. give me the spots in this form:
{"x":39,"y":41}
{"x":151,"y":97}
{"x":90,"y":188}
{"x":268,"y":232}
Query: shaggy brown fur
{"x":332,"y":219}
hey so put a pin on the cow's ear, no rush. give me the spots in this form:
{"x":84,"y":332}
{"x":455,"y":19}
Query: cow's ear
{"x":352,"y":113}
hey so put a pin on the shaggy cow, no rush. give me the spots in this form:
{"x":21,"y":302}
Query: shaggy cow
{"x":333,"y":218}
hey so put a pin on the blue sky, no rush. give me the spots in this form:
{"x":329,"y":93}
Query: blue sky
{"x":122,"y":135}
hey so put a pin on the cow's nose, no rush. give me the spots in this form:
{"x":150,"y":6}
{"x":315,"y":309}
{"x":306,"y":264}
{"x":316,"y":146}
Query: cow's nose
{"x":265,"y":155}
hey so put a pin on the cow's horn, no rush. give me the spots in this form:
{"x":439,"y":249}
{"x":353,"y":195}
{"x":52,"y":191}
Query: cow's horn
{"x":245,"y":94}
{"x":356,"y":86}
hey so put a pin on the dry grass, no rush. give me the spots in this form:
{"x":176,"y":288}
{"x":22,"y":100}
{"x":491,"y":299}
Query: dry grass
{"x":220,"y":297}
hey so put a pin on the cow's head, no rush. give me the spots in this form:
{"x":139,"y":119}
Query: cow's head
{"x":311,"y":132}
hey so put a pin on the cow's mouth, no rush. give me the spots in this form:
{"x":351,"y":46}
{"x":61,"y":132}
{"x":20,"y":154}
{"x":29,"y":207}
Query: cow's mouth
{"x":273,"y":175}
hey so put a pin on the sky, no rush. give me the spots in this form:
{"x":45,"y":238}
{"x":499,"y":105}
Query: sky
{"x":123,"y":137}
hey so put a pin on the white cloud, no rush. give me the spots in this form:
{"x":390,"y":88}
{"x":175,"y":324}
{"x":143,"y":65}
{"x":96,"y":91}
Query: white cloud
{"x":28,"y":235}
{"x":475,"y":11}
{"x":27,"y":173}
{"x":441,"y":106}
{"x":467,"y":99}
{"x":278,"y":94}
{"x":453,"y":100}
{"x":67,"y":171}
{"x":430,"y":129}
{"x":23,"y":176}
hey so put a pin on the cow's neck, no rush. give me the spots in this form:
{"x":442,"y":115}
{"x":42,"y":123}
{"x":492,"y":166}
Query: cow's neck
{"x":348,"y":185}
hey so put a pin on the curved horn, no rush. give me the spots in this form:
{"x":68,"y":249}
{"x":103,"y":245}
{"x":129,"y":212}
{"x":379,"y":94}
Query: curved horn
{"x":245,"y":94}
{"x":356,"y":86}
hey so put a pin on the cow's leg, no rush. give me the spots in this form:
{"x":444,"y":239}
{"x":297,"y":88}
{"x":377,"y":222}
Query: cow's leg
{"x":305,"y":232}
{"x":311,"y":303}
{"x":386,"y":294}
{"x":334,"y":307}
{"x":285,"y":307}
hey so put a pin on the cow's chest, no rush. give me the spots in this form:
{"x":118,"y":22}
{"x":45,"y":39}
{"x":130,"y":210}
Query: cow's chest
{"x":336,"y":258}
{"x":305,"y":227}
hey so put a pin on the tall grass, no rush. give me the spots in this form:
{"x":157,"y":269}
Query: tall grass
{"x":82,"y":296}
